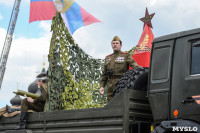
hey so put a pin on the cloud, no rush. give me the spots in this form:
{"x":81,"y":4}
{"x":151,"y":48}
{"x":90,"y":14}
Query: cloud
{"x":95,"y":46}
{"x":5,"y":98}
{"x":7,"y":2}
{"x":27,"y":56}
{"x":25,"y":59}
{"x":122,"y":18}
{"x":45,"y":26}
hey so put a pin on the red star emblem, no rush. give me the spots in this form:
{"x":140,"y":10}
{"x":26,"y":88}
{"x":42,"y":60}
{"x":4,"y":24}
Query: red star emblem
{"x":147,"y":19}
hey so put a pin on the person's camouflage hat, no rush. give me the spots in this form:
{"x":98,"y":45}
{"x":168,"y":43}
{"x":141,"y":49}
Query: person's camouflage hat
{"x":116,"y":38}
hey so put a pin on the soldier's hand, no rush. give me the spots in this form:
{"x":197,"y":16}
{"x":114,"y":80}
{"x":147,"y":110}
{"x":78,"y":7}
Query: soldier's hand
{"x":101,"y":90}
{"x":30,"y":100}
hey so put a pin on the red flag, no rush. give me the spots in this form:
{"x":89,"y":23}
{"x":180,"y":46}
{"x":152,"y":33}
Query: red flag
{"x":42,"y":10}
{"x":143,"y":49}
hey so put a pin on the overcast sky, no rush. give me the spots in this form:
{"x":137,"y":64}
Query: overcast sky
{"x":31,"y":41}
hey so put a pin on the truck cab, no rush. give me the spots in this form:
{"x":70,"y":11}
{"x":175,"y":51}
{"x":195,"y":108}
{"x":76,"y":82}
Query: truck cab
{"x":174,"y":77}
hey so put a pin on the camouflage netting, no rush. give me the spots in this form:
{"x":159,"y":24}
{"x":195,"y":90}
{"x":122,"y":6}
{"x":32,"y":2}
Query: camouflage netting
{"x":73,"y":75}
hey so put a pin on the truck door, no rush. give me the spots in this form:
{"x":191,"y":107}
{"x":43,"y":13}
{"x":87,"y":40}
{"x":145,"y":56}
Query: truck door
{"x":186,"y":78}
{"x":160,"y":79}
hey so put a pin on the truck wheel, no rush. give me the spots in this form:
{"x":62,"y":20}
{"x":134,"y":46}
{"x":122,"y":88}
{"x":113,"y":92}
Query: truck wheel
{"x":136,"y":79}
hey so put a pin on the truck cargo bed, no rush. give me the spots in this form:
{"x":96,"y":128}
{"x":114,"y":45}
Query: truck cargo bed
{"x":128,"y":107}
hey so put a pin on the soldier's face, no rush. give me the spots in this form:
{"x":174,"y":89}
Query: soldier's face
{"x":39,"y":82}
{"x":116,"y":46}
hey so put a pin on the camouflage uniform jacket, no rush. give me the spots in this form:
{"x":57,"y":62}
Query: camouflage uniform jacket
{"x":38,"y":104}
{"x":40,"y":101}
{"x":115,"y":65}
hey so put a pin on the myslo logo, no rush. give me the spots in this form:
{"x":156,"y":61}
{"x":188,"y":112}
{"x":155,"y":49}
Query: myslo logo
{"x":185,"y":129}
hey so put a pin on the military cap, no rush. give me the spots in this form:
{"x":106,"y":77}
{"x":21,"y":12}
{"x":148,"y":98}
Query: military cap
{"x":116,"y":38}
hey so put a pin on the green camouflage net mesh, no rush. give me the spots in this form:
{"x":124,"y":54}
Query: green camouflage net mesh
{"x":73,"y":75}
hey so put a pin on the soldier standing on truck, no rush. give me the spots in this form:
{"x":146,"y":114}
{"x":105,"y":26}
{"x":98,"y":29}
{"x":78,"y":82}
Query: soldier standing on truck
{"x":34,"y":104}
{"x":116,"y":64}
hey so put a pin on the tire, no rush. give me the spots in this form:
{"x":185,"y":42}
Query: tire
{"x":135,"y":79}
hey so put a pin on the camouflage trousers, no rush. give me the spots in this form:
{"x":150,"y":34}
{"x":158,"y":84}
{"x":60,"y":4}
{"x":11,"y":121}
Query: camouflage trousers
{"x":25,"y":106}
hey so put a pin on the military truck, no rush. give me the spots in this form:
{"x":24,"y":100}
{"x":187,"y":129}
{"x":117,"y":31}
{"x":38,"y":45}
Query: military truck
{"x":173,"y":82}
{"x":166,"y":96}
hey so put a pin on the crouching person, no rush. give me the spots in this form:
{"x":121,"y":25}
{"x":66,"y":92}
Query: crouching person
{"x":34,"y":104}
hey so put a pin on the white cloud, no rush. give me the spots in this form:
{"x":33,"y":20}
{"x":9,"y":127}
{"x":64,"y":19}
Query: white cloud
{"x":5,"y":97}
{"x":122,"y":18}
{"x":7,"y":2}
{"x":93,"y":44}
{"x":25,"y":59}
{"x":46,"y":26}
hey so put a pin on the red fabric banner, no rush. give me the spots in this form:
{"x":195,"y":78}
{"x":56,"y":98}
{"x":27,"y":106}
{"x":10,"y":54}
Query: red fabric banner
{"x":143,"y":49}
{"x":42,"y":10}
